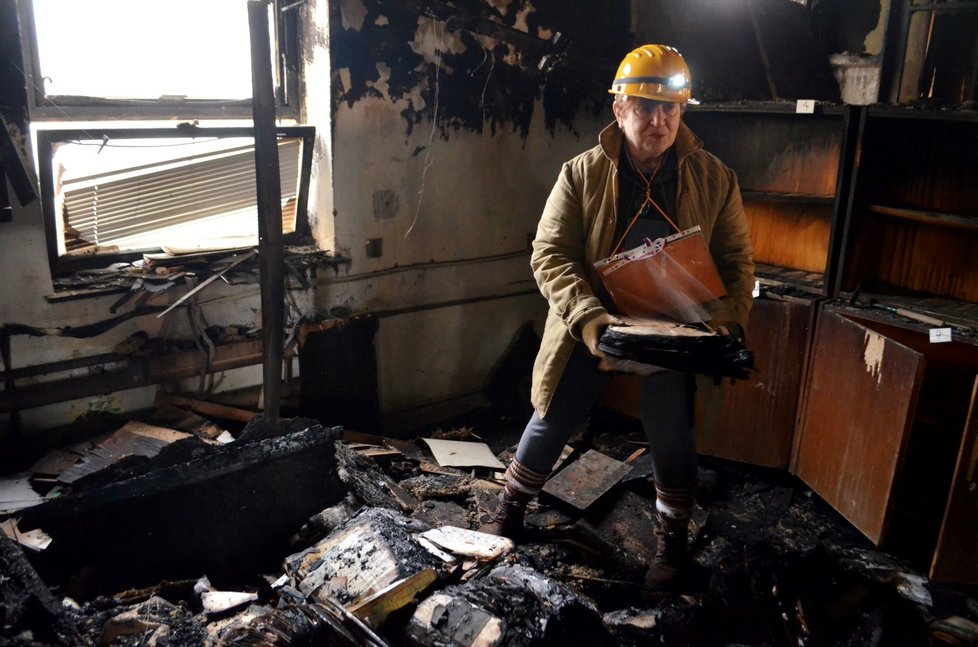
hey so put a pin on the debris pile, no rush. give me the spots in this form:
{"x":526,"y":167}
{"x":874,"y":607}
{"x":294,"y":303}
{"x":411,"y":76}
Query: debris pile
{"x":387,"y":554}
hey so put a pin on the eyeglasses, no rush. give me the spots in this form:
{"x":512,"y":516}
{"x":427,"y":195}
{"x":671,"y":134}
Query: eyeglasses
{"x":645,"y":108}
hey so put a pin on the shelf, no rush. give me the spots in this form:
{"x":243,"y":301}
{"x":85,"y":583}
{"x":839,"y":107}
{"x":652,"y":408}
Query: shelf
{"x":969,"y":223}
{"x":807,"y":282}
{"x":775,"y":196}
{"x":958,"y":314}
{"x":948,"y":114}
{"x":768,"y":107}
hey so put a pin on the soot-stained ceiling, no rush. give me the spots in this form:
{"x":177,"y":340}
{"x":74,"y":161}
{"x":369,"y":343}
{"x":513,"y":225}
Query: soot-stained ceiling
{"x":477,"y":64}
{"x":743,"y":50}
{"x":484,"y":65}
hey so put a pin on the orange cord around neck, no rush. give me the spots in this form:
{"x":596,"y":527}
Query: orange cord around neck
{"x":648,"y":198}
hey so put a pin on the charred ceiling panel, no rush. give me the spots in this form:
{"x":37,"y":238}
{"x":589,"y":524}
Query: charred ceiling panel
{"x":482,"y":64}
{"x":742,"y":49}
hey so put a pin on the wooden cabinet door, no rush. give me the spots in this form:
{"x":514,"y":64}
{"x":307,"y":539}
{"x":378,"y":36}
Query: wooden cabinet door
{"x":861,"y":398}
{"x":956,"y":557}
{"x":758,"y":420}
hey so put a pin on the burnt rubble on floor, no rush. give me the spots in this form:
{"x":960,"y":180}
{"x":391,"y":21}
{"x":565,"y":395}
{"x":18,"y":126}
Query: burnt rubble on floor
{"x":326,"y":536}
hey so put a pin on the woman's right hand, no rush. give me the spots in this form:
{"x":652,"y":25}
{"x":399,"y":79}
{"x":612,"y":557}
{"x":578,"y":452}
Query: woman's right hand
{"x":592,"y":328}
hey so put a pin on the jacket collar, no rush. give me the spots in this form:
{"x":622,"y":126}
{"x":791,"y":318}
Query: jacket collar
{"x":611,"y":138}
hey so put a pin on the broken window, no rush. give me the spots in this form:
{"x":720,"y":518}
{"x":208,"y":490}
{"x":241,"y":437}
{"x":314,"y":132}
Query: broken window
{"x":113,"y":195}
{"x":130,"y":184}
{"x":98,"y":59}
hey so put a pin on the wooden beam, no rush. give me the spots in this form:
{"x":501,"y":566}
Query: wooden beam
{"x":206,"y":408}
{"x":136,"y":372}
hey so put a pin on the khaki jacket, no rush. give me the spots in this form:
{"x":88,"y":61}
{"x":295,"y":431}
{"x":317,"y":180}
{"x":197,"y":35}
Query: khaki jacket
{"x":577,"y":227}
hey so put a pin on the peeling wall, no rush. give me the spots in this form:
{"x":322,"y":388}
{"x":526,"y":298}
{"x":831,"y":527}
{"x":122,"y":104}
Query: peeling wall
{"x":446,"y":143}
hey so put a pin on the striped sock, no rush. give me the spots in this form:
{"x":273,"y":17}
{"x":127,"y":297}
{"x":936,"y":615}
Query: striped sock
{"x":522,"y":482}
{"x":675,"y":507}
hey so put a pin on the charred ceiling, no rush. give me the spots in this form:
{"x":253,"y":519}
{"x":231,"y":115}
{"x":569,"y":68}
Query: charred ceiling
{"x":482,"y":66}
{"x":743,"y":50}
{"x":475,"y":64}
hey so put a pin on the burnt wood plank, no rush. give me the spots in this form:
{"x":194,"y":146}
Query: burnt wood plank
{"x":583,"y":482}
{"x":133,"y":439}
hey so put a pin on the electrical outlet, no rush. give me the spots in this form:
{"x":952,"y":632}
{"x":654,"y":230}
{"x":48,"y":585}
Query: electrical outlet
{"x":375,"y":247}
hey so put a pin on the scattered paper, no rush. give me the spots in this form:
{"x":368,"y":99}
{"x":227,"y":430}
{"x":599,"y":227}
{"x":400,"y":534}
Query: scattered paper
{"x":469,"y":543}
{"x":16,"y":493}
{"x":459,"y":453}
{"x":220,"y":601}
{"x":36,"y":540}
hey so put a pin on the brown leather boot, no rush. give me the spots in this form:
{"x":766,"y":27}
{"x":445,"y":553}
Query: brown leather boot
{"x":670,"y":557}
{"x":508,"y":518}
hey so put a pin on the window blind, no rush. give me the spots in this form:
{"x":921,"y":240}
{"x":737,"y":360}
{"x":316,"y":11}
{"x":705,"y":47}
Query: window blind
{"x":126,"y":208}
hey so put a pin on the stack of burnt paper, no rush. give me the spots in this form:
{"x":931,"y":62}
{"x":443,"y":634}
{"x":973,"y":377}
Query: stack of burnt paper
{"x":647,"y":345}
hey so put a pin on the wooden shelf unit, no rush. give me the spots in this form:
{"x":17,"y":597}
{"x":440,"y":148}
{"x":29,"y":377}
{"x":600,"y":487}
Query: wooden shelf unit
{"x":913,"y":224}
{"x":864,"y":227}
{"x":789,"y":166}
{"x":791,"y":170}
{"x":888,"y":423}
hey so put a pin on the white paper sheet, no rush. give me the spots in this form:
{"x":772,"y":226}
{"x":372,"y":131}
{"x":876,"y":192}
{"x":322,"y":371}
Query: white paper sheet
{"x":459,"y":453}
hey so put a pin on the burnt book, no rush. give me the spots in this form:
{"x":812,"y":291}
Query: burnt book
{"x":643,"y":346}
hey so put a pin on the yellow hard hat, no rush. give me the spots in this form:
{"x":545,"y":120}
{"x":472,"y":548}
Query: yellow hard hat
{"x":654,"y":72}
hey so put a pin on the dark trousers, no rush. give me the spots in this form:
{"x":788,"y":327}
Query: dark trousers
{"x":667,"y":418}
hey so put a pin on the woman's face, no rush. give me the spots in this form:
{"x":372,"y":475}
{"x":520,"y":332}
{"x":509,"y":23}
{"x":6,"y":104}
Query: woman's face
{"x":649,"y":126}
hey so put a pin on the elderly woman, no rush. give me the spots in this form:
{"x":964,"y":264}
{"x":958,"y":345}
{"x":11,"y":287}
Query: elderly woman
{"x":648,"y":177}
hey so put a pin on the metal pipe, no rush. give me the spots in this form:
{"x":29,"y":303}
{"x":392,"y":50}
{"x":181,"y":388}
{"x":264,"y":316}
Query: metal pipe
{"x":270,"y":251}
{"x":59,"y":367}
{"x":762,"y":51}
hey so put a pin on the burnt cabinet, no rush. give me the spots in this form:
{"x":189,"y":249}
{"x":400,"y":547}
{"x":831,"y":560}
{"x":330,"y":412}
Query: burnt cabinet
{"x":758,"y":418}
{"x":792,"y":170}
{"x":887,"y":436}
{"x":887,"y":428}
{"x":912,"y":230}
{"x":865,"y":329}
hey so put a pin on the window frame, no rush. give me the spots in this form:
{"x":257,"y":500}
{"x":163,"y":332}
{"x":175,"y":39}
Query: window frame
{"x":84,"y":108}
{"x":62,"y":266}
